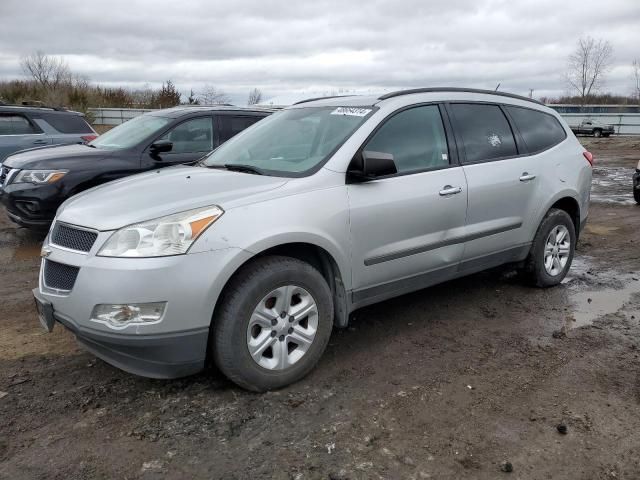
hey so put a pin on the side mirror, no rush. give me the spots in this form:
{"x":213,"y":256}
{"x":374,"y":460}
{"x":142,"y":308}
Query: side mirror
{"x":161,"y":146}
{"x":372,"y":165}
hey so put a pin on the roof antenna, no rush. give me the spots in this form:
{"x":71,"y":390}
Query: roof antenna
{"x":497,"y":87}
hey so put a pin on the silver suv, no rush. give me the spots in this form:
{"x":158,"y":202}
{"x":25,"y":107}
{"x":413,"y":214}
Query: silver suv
{"x":251,"y":257}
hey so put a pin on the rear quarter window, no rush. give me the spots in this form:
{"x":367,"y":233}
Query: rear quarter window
{"x":540,"y":131}
{"x":67,"y":123}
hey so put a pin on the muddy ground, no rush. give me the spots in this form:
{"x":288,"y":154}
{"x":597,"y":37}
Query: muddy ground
{"x":449,"y":382}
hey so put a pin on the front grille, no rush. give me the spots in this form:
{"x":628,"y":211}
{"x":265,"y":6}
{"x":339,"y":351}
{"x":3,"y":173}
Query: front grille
{"x":72,"y":238}
{"x":59,"y":276}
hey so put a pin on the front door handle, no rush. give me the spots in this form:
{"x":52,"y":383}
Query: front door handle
{"x":526,"y":177}
{"x":40,"y":142}
{"x":449,"y":190}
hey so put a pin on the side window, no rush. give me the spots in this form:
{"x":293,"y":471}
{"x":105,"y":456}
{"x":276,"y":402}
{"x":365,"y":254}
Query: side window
{"x":539,"y":130}
{"x":67,"y":122}
{"x":416,"y":139}
{"x":6,"y":125}
{"x":192,"y":136}
{"x":21,"y":126}
{"x":15,"y":125}
{"x":485,"y":131}
{"x":231,"y":125}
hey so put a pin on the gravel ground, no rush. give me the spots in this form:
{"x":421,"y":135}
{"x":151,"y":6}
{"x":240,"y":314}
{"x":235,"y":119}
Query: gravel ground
{"x":469,"y":379}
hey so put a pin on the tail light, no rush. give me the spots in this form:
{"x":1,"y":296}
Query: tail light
{"x":88,"y":138}
{"x":589,"y":157}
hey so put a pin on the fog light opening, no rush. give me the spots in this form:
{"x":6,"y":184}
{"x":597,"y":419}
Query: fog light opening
{"x":119,"y":316}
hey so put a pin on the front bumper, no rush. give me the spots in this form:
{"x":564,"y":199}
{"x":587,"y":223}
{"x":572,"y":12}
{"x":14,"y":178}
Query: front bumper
{"x":32,"y":206}
{"x":189,"y":284}
{"x":169,"y":355}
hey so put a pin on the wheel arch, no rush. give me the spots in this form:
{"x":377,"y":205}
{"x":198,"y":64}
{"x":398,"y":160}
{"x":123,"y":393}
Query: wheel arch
{"x":569,"y":204}
{"x":326,"y":262}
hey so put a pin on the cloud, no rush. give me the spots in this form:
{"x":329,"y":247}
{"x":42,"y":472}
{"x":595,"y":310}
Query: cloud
{"x":283,"y":46}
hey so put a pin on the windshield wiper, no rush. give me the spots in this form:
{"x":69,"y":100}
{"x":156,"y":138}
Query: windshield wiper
{"x":238,"y":167}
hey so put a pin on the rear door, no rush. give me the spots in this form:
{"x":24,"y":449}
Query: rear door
{"x":17,"y":132}
{"x":501,"y":179}
{"x":230,"y":125}
{"x":406,"y":228}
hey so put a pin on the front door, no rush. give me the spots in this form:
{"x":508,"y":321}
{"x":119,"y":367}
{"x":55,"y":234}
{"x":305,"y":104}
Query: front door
{"x":405,"y":228}
{"x":191,"y":140}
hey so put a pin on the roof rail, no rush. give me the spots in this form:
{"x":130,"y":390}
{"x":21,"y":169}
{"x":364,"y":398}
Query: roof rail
{"x":36,"y":104}
{"x":321,"y":98}
{"x":455,"y":89}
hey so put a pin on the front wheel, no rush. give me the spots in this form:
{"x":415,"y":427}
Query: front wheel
{"x":636,"y":195}
{"x":272,"y":323}
{"x":552,"y":249}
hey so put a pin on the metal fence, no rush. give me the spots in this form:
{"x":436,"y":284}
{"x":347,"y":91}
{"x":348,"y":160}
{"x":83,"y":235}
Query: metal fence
{"x":115,"y":116}
{"x":623,"y":123}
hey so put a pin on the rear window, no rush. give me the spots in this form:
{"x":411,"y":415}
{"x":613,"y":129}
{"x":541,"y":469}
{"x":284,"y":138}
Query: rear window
{"x":485,"y":131}
{"x":539,"y":130}
{"x":67,"y":122}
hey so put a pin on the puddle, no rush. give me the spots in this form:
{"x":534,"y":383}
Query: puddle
{"x":612,"y":185}
{"x":589,"y":306}
{"x":595,"y":293}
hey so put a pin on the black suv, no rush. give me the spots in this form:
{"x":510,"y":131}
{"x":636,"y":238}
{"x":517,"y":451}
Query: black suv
{"x":26,"y":126}
{"x":34,"y":183}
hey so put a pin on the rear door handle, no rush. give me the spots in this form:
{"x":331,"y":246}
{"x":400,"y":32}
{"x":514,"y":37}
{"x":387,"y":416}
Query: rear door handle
{"x":526,"y":177}
{"x":449,"y":190}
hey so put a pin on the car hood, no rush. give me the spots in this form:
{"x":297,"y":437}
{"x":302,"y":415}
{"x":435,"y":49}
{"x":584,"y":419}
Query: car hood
{"x":56,"y":156}
{"x":161,"y":192}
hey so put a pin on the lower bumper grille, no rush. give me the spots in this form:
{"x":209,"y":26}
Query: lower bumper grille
{"x":59,"y":276}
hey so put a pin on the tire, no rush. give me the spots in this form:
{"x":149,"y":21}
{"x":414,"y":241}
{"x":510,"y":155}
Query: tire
{"x":597,"y":133}
{"x":263,"y":285}
{"x":636,"y":195}
{"x":535,"y":270}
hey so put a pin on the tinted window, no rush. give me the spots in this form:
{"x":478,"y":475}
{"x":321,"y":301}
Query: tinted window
{"x":539,"y":130}
{"x":15,"y":125}
{"x":415,"y":138}
{"x":485,"y":132}
{"x":67,"y":123}
{"x":231,"y":125}
{"x":192,"y":136}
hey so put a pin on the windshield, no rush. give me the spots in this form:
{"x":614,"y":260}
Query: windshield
{"x":290,"y":142}
{"x":130,"y":133}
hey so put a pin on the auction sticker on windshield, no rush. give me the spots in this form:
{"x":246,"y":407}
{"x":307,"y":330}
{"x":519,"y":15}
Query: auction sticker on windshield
{"x":354,"y":112}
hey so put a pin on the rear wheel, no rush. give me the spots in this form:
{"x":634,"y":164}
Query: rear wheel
{"x":597,"y":133}
{"x":552,"y":249}
{"x":272,"y":324}
{"x":636,"y":195}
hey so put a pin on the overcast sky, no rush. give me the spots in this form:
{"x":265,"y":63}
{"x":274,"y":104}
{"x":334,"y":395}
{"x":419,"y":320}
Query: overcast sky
{"x":321,"y":45}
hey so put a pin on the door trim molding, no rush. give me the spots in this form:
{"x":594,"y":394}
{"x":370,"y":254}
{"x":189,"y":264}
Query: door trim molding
{"x":369,"y":261}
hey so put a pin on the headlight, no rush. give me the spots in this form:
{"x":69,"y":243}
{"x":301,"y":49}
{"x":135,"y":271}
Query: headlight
{"x":170,"y":235}
{"x":39,"y":177}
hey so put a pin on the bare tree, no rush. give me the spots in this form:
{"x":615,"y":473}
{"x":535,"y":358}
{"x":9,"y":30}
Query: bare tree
{"x":210,"y":95}
{"x":636,"y":79}
{"x":255,"y":97}
{"x":49,"y":72}
{"x":588,"y":65}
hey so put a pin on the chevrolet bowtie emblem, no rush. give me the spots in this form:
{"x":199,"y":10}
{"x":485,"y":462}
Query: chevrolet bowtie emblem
{"x":45,"y":252}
